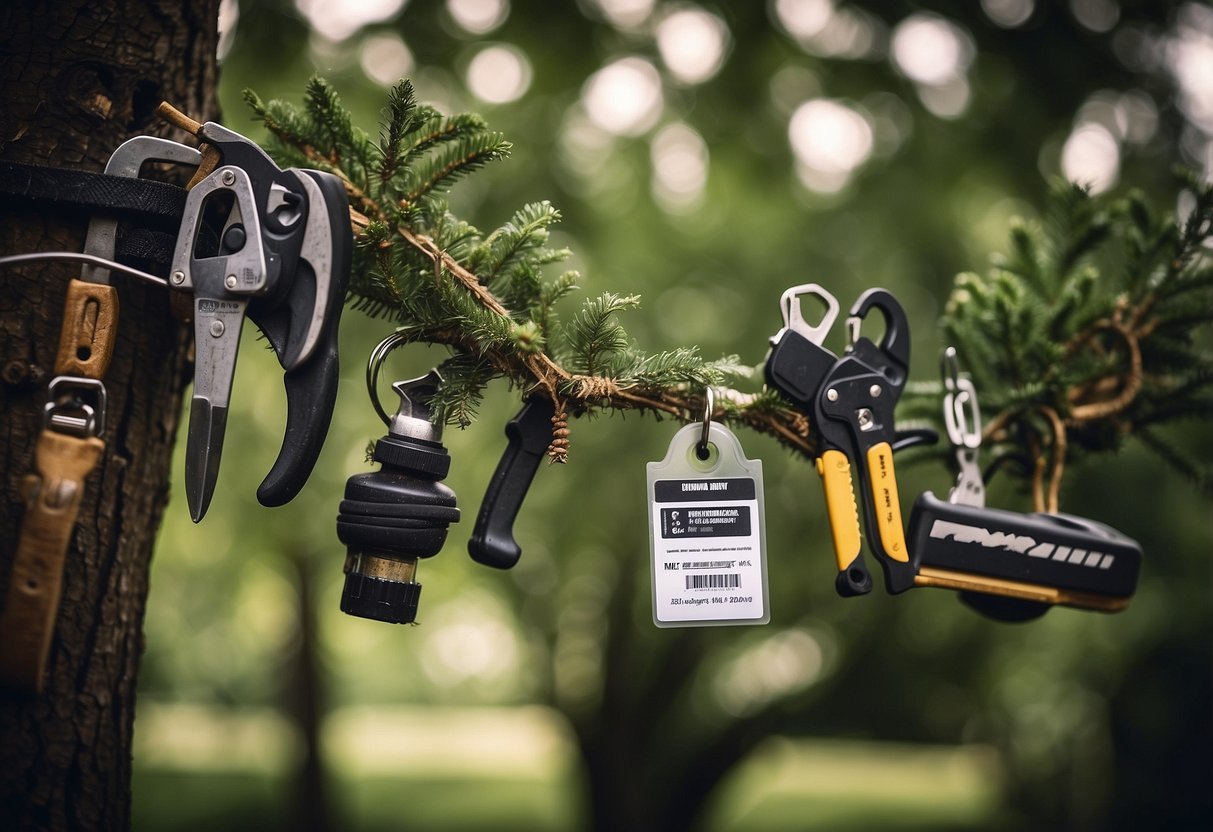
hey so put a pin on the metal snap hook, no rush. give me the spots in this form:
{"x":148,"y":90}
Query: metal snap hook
{"x":68,"y":411}
{"x":963,"y":422}
{"x":962,"y":418}
{"x":793,"y":315}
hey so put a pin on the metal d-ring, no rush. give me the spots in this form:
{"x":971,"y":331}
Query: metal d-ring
{"x":701,"y":448}
{"x":375,"y":363}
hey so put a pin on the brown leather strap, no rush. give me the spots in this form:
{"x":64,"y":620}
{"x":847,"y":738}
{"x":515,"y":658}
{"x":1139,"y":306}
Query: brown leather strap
{"x":52,"y":499}
{"x":52,"y":495}
{"x":86,"y":341}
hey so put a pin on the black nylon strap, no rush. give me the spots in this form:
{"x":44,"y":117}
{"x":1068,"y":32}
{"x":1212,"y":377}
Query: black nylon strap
{"x":95,"y":191}
{"x":154,"y":209}
{"x":151,"y":251}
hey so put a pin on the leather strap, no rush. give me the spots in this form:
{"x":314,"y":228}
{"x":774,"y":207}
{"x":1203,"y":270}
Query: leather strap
{"x":90,"y":321}
{"x":52,"y":499}
{"x":52,"y":495}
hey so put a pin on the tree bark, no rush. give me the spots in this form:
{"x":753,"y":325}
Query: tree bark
{"x":77,"y":77}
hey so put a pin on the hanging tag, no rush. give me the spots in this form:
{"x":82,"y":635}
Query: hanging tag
{"x":707,"y":532}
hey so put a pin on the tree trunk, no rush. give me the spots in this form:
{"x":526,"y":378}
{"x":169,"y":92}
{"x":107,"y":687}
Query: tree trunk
{"x":311,"y":809}
{"x":77,"y":77}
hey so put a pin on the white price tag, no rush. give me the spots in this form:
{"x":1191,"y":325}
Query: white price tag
{"x":707,"y":533}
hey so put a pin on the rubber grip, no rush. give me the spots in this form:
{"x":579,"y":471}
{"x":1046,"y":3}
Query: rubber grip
{"x":885,"y":502}
{"x":835,"y":471}
{"x":311,"y":393}
{"x":311,"y":388}
{"x":530,"y":433}
{"x":1056,"y":558}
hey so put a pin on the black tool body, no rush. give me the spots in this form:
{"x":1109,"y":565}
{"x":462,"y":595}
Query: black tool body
{"x":529,"y":433}
{"x":311,"y":387}
{"x":283,"y":260}
{"x":796,"y":366}
{"x":853,"y":412}
{"x":1045,"y":558}
{"x":393,"y":517}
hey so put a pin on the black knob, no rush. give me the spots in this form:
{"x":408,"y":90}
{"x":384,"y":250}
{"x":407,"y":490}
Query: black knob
{"x":395,"y":516}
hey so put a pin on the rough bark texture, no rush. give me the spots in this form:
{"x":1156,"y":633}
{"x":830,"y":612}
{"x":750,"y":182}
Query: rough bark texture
{"x":77,"y":77}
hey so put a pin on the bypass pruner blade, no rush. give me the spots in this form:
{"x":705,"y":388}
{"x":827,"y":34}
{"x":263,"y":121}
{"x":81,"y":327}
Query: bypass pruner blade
{"x":280,"y":256}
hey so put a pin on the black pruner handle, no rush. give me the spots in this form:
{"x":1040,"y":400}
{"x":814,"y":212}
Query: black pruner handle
{"x":530,"y":433}
{"x":311,"y":387}
{"x":1041,"y":559}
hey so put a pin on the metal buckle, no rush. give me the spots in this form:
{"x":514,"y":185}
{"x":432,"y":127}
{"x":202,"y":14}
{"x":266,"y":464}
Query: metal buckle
{"x":68,"y":412}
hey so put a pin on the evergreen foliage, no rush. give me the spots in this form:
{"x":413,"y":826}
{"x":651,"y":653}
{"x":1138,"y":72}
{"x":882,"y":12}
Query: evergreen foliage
{"x":1087,"y":331}
{"x":488,"y":295}
{"x":1084,"y":332}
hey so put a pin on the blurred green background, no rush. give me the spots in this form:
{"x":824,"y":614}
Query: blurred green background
{"x":706,"y":156}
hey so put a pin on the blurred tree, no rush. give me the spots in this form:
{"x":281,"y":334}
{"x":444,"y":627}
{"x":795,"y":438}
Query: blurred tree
{"x":78,"y":78}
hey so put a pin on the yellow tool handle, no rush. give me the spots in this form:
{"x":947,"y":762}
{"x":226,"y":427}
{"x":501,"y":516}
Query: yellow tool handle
{"x":885,"y":502}
{"x":965,"y":582}
{"x":835,"y":471}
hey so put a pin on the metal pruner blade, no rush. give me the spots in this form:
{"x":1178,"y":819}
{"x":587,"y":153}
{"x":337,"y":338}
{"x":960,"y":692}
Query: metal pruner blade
{"x":222,"y":285}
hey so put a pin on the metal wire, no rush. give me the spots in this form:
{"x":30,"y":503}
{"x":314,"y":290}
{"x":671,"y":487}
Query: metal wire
{"x":79,"y":257}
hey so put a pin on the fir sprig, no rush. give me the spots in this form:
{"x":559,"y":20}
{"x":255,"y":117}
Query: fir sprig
{"x":1085,"y":333}
{"x":488,"y":296}
{"x":1081,"y":334}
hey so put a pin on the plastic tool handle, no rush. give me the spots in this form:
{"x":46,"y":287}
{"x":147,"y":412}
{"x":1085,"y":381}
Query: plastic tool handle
{"x":311,"y":388}
{"x":311,"y":393}
{"x":882,"y":479}
{"x":796,"y":366}
{"x":1054,"y":559}
{"x":835,"y":470}
{"x":530,"y":433}
{"x":886,"y":537}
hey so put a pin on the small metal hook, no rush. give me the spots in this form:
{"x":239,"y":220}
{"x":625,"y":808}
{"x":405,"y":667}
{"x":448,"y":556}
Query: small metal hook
{"x":963,"y":422}
{"x":962,"y":417}
{"x":793,"y":315}
{"x":949,"y":369}
{"x":375,"y":363}
{"x":709,"y":403}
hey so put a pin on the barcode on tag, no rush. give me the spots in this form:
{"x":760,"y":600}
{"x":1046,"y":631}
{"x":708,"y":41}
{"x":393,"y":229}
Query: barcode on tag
{"x":713,"y":581}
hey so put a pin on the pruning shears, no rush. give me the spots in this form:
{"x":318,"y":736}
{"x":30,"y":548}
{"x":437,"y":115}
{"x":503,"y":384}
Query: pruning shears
{"x":280,"y":256}
{"x":850,"y":400}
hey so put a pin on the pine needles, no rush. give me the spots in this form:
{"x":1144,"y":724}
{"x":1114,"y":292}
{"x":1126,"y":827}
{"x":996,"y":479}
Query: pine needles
{"x":491,"y":297}
{"x":1083,"y":333}
{"x":1087,"y":331}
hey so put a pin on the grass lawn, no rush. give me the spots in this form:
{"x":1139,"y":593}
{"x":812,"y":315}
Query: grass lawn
{"x":431,"y":770}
